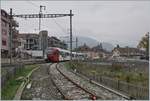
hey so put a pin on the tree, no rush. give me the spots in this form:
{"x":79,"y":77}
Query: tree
{"x":118,"y":46}
{"x":101,"y":46}
{"x":144,"y":43}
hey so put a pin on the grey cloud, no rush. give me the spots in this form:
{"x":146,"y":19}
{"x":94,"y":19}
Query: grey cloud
{"x":123,"y":22}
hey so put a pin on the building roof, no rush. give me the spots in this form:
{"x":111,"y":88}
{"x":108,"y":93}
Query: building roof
{"x":98,"y":48}
{"x":55,"y":38}
{"x":84,"y":48}
{"x":25,"y":35}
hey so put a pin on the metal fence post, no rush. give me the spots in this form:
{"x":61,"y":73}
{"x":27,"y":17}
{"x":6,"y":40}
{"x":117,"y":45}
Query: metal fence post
{"x":118,"y":85}
{"x":128,"y":88}
{"x":101,"y":78}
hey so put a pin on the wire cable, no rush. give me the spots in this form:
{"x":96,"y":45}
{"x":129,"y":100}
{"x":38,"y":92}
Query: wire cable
{"x":59,"y":25}
{"x":28,"y":1}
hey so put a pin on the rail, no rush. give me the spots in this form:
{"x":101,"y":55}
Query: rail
{"x":133,"y":91}
{"x":91,"y":95}
{"x":76,"y":83}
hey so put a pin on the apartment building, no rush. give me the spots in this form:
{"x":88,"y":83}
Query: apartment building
{"x":4,"y":33}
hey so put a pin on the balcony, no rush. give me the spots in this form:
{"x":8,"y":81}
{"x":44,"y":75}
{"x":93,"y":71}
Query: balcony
{"x":15,"y":23}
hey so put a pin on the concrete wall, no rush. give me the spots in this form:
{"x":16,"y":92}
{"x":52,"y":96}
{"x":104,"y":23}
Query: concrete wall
{"x":43,"y":39}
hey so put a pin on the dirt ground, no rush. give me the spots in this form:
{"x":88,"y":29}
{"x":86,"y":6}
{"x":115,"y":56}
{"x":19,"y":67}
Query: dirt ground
{"x":42,"y":87}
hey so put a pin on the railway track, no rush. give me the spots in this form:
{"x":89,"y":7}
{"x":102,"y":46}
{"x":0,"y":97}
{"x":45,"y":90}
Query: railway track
{"x":68,"y":88}
{"x":104,"y":87}
{"x":73,"y":87}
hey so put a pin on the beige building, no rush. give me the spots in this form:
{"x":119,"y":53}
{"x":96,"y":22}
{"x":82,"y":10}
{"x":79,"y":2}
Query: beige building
{"x":87,"y":50}
{"x":128,"y":52}
{"x":96,"y":52}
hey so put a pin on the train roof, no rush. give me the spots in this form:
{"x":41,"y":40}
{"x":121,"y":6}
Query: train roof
{"x":67,"y":51}
{"x":59,"y":49}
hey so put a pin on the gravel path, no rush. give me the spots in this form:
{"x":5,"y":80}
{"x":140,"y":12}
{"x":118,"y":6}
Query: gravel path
{"x":42,"y":87}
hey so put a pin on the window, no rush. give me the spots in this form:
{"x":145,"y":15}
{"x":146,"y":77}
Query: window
{"x":19,"y":43}
{"x":4,"y":42}
{"x":4,"y":23}
{"x":4,"y":32}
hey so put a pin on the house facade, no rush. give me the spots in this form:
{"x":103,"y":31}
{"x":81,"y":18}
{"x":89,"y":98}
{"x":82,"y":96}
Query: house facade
{"x":128,"y":52}
{"x":96,"y":52}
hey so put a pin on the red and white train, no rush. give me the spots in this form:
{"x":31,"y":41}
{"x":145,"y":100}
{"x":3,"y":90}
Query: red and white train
{"x":54,"y":54}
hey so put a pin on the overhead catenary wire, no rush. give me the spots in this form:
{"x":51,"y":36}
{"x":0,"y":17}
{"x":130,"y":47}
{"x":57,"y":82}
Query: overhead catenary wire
{"x":59,"y":25}
{"x":28,"y":1}
{"x":63,"y":29}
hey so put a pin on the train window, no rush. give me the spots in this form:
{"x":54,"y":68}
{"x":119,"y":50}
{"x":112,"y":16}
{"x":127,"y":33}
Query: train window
{"x":67,"y":54}
{"x":72,"y":55}
{"x":61,"y":53}
{"x":49,"y":51}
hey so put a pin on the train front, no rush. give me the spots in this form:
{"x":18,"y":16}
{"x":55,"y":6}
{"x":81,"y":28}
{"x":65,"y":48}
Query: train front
{"x":52,"y":55}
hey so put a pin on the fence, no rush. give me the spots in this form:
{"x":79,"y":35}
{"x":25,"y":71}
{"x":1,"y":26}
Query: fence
{"x":136,"y":92}
{"x":17,"y":60}
{"x":9,"y":72}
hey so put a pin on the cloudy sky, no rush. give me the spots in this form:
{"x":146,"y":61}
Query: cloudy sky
{"x":116,"y":22}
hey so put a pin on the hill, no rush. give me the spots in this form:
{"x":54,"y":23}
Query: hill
{"x":90,"y":42}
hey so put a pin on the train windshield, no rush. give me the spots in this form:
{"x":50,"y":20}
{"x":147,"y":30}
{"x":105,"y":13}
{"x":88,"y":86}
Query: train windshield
{"x":50,"y":51}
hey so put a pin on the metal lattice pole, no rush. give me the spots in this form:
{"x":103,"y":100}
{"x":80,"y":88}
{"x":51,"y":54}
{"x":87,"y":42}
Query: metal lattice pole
{"x":10,"y":36}
{"x":40,"y":15}
{"x":70,"y":36}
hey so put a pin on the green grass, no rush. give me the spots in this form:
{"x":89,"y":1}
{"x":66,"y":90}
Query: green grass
{"x":3,"y":71}
{"x":115,"y":72}
{"x":12,"y":85}
{"x":67,"y":65}
{"x":9,"y":91}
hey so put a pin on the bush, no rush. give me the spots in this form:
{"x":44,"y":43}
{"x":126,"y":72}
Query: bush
{"x":116,"y":67}
{"x":128,"y":78}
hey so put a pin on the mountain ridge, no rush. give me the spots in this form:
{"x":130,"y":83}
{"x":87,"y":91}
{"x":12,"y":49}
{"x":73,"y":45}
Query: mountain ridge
{"x":91,"y":42}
